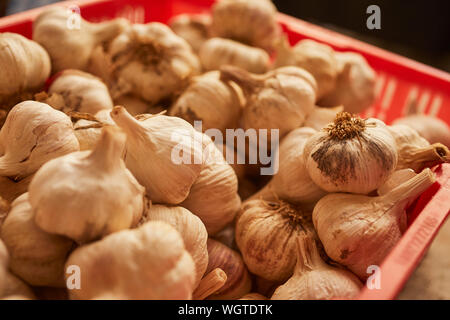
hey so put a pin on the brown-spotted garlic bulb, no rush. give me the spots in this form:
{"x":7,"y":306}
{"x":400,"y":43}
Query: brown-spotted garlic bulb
{"x":191,"y":229}
{"x":316,"y":58}
{"x":214,"y":195}
{"x":355,"y":84}
{"x":313,"y":279}
{"x":279,"y":99}
{"x":15,"y":288}
{"x":162,"y":144}
{"x":252,"y":22}
{"x":415,"y":152}
{"x":208,"y":99}
{"x":69,"y":39}
{"x":351,"y":155}
{"x":266,"y":235}
{"x":150,"y":262}
{"x":33,"y":134}
{"x":238,"y":279}
{"x":320,"y":117}
{"x":4,"y":261}
{"x":36,"y":256}
{"x":358,"y":231}
{"x":25,"y":68}
{"x":194,"y":28}
{"x":217,"y":52}
{"x":88,"y":194}
{"x":151,"y":62}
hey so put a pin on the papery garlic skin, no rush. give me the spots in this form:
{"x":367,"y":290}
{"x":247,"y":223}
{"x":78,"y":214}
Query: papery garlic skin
{"x":71,"y":46}
{"x":191,"y":229}
{"x":25,"y":67}
{"x":397,"y":178}
{"x":4,"y":260}
{"x":136,"y":106}
{"x":320,"y":117}
{"x":149,"y":262}
{"x":162,"y":144}
{"x":352,"y":155}
{"x":358,"y":231}
{"x":313,"y":279}
{"x":104,"y":197}
{"x":194,"y":28}
{"x":33,"y":134}
{"x":88,"y":132}
{"x":217,"y":52}
{"x":36,"y":256}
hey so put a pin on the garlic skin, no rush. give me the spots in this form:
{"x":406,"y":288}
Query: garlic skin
{"x":72,"y":47}
{"x":104,"y":198}
{"x":238,"y":279}
{"x":25,"y":67}
{"x":10,"y":189}
{"x":15,"y":288}
{"x":355,"y":85}
{"x":208,"y":99}
{"x":397,"y":178}
{"x":81,"y":92}
{"x":151,"y":145}
{"x":88,"y":132}
{"x":266,"y":235}
{"x":214,"y":194}
{"x":33,"y":134}
{"x":121,"y":266}
{"x":253,"y":296}
{"x":151,"y":62}
{"x":358,"y":231}
{"x":194,"y":28}
{"x":252,"y":22}
{"x":316,"y":58}
{"x":136,"y":106}
{"x":351,"y":155}
{"x":433,"y":129}
{"x":217,"y":52}
{"x":313,"y":279}
{"x":36,"y":256}
{"x":279,"y":99}
{"x":4,"y":260}
{"x":320,"y":117}
{"x":5,"y":206}
{"x":191,"y":229}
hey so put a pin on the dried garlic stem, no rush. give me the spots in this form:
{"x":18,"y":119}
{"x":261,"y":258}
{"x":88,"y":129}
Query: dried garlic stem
{"x":246,"y":81}
{"x":420,"y":158}
{"x":212,"y":282}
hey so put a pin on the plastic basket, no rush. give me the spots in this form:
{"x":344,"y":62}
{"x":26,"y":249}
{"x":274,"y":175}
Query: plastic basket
{"x":401,"y":84}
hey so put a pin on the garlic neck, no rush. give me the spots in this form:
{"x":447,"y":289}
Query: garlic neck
{"x":248,"y":82}
{"x":128,"y":123}
{"x":108,"y":152}
{"x":308,"y":256}
{"x":107,"y":30}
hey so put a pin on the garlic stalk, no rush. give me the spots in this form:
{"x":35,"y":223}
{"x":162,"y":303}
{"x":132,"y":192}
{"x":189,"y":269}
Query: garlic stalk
{"x":88,"y":132}
{"x":397,"y":178}
{"x":210,"y":284}
{"x":104,"y":197}
{"x":33,"y":134}
{"x":313,"y":279}
{"x":358,"y":231}
{"x":351,"y":155}
{"x":194,"y":28}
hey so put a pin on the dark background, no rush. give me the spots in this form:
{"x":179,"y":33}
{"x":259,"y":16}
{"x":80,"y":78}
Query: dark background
{"x":419,"y":29}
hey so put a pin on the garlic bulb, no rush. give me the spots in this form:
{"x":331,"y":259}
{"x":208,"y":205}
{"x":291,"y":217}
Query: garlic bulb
{"x":81,"y":92}
{"x":355,"y":85}
{"x":316,"y":58}
{"x":433,"y":129}
{"x":238,"y":279}
{"x":191,"y":229}
{"x":88,"y":132}
{"x":320,"y":117}
{"x":358,"y":231}
{"x":15,"y":287}
{"x":292,"y":182}
{"x":151,"y":62}
{"x":252,"y":22}
{"x":217,"y":52}
{"x":213,"y":196}
{"x":208,"y":99}
{"x":265,"y":235}
{"x":69,"y":39}
{"x":397,"y":178}
{"x":33,"y":134}
{"x":351,"y":155}
{"x":414,"y":151}
{"x":136,"y":106}
{"x":279,"y":99}
{"x":104,"y":197}
{"x":162,"y":144}
{"x":10,"y":189}
{"x":25,"y":67}
{"x":313,"y":279}
{"x":194,"y":28}
{"x":35,"y":256}
{"x":149,"y":262}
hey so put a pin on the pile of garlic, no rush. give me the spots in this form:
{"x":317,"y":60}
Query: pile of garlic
{"x":109,"y":190}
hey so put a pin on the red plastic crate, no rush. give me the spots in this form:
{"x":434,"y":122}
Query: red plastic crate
{"x":401,"y":83}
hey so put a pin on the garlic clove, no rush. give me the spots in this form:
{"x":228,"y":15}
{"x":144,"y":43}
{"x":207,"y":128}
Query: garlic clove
{"x":33,"y":134}
{"x":194,"y":28}
{"x":121,"y":266}
{"x":104,"y":198}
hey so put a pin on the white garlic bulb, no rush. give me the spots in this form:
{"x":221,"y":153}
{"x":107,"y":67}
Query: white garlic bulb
{"x":88,"y":194}
{"x":351,"y":155}
{"x":194,"y":28}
